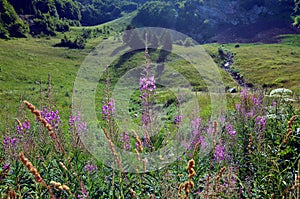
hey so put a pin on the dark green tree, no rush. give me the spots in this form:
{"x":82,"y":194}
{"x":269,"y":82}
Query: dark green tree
{"x":156,"y":13}
{"x":10,"y":23}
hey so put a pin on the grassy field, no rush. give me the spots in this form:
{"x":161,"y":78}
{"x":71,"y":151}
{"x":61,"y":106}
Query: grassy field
{"x":26,"y":63}
{"x":24,"y":68}
{"x":267,"y":65}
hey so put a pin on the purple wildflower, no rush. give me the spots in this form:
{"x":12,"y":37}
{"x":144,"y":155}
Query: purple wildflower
{"x":219,"y":152}
{"x":146,"y":119}
{"x":196,"y":133}
{"x":83,"y":195}
{"x":23,"y":128}
{"x":89,"y":168}
{"x":230,"y":130}
{"x":125,"y":139}
{"x":108,"y":110}
{"x":9,"y":142}
{"x":249,"y":106}
{"x":76,"y":124}
{"x":5,"y":167}
{"x":256,"y":101}
{"x":52,"y":117}
{"x":177,"y":119}
{"x":260,"y":122}
{"x":147,"y":84}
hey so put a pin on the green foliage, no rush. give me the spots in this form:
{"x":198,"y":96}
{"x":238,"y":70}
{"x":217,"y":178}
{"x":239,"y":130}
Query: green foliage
{"x":78,"y":43}
{"x":156,"y":13}
{"x":128,"y":6}
{"x":10,"y":23}
{"x":68,"y":9}
{"x":188,"y":42}
{"x":297,"y":21}
{"x":99,"y":12}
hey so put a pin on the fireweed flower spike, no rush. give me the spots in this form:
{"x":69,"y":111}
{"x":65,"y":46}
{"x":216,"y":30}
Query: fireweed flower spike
{"x":89,"y":168}
{"x":40,"y":118}
{"x":125,"y":139}
{"x":219,"y":152}
{"x":52,"y":117}
{"x":108,"y":110}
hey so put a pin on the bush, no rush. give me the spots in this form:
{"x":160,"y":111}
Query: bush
{"x":188,"y":42}
{"x":297,"y":21}
{"x":78,"y":43}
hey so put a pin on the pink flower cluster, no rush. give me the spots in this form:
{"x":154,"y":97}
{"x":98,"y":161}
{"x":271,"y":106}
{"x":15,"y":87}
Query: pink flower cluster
{"x":147,"y":84}
{"x":109,"y":109}
{"x":219,"y":153}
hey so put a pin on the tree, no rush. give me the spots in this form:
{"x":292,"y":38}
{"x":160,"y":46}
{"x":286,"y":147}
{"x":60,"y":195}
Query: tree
{"x":157,"y":13}
{"x":10,"y":23}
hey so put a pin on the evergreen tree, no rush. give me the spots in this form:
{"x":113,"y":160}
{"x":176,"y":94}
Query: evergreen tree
{"x":10,"y":23}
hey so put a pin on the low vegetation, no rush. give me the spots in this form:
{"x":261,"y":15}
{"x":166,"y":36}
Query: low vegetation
{"x":251,"y":151}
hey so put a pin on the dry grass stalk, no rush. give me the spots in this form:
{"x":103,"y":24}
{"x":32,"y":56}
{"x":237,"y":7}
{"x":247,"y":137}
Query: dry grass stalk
{"x":290,"y":129}
{"x":250,"y":144}
{"x":32,"y":169}
{"x":40,"y":118}
{"x":53,"y":135}
{"x":138,"y":140}
{"x":187,"y":186}
{"x":35,"y":173}
{"x":196,"y":147}
{"x":19,"y":123}
{"x":112,"y":148}
{"x":63,"y":166}
{"x":218,"y":177}
{"x":133,"y":193}
{"x":37,"y":113}
{"x":190,"y":168}
{"x":144,"y":165}
{"x":61,"y":187}
{"x":137,"y":155}
{"x":10,"y":194}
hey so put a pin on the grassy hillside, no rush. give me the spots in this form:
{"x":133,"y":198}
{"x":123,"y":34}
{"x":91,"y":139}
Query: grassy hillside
{"x":24,"y":68}
{"x":26,"y":63}
{"x":267,"y":65}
